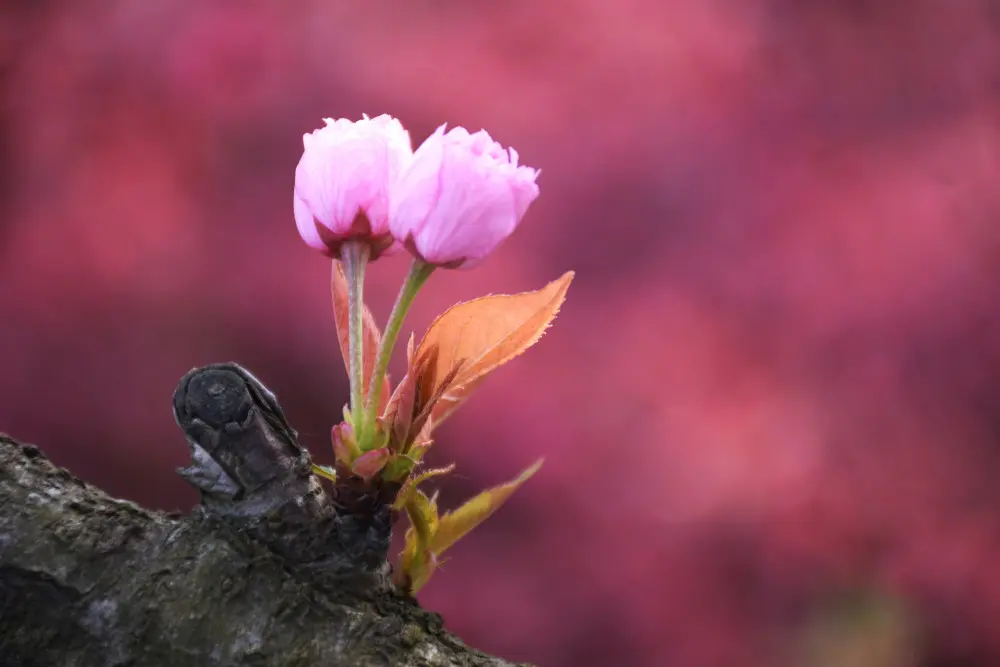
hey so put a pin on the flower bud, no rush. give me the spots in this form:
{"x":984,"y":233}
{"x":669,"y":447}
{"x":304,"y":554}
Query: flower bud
{"x":460,"y":197}
{"x":342,"y":182}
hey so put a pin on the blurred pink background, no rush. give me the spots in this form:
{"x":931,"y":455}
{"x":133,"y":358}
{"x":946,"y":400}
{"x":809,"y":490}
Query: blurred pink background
{"x":770,"y":408}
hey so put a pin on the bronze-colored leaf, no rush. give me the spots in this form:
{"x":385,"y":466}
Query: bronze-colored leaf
{"x":399,"y":412}
{"x":481,"y":335}
{"x":423,"y":424}
{"x":421,"y":443}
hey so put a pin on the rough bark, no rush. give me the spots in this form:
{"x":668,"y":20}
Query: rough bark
{"x":270,"y":569}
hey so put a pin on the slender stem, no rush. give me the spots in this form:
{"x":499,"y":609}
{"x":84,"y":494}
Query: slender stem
{"x":355,"y":256}
{"x":419,"y":272}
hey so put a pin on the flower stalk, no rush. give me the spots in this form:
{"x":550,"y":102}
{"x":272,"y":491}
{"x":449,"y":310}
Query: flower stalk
{"x":418,"y":274}
{"x":355,"y":256}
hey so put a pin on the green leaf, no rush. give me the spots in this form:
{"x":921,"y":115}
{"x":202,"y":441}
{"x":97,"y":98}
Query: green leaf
{"x":324,"y":471}
{"x":457,"y":524}
{"x":410,"y":485}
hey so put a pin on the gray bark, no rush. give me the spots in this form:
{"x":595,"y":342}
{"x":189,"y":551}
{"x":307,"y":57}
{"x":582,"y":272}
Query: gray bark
{"x":269,"y":570}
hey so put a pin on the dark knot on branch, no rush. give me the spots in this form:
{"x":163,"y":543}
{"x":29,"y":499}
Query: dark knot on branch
{"x":246,"y":459}
{"x":253,"y":474}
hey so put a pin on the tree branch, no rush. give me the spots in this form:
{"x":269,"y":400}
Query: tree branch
{"x":269,"y":570}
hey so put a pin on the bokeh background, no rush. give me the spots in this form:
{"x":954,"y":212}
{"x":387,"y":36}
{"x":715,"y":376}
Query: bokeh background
{"x":770,"y":408}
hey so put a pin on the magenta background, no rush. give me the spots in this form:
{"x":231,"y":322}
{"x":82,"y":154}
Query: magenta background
{"x":774,"y":382}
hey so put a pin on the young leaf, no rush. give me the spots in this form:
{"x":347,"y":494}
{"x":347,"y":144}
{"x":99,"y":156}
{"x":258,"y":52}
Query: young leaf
{"x":423,"y":423}
{"x":417,"y":563}
{"x":381,"y":436}
{"x":410,"y":485}
{"x":423,"y":514}
{"x":407,"y":555}
{"x":371,"y":463}
{"x":399,"y":412}
{"x":371,"y":337}
{"x":324,"y":471}
{"x":454,"y":525}
{"x":344,"y":448}
{"x":400,"y":466}
{"x":421,"y":443}
{"x":415,"y":568}
{"x":481,"y":335}
{"x":421,"y":571}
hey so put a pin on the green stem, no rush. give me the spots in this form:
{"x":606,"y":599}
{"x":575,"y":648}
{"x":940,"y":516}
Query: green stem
{"x":419,"y":272}
{"x":355,"y":256}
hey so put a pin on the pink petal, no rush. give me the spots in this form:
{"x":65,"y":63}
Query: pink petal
{"x":306,"y":224}
{"x":461,"y":197}
{"x":346,"y":168}
{"x":416,"y":192}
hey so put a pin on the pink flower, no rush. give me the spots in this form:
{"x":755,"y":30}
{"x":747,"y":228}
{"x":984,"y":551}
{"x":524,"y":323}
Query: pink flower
{"x":342,"y":182}
{"x":460,"y":197}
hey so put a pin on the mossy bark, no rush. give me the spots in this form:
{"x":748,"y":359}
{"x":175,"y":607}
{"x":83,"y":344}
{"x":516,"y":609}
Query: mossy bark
{"x":268,"y":570}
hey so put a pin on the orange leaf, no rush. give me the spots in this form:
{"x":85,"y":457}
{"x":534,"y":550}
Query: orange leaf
{"x":423,"y":424}
{"x":371,"y":338}
{"x":454,"y":525}
{"x":399,"y":411}
{"x":481,"y":335}
{"x":421,"y":443}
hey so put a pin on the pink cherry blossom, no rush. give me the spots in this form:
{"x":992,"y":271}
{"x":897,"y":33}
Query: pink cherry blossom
{"x":460,"y":197}
{"x":342,"y":182}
